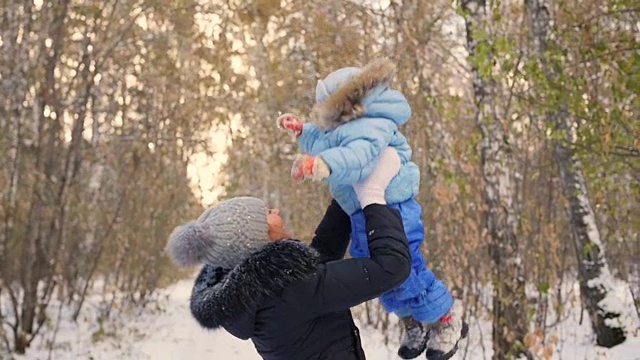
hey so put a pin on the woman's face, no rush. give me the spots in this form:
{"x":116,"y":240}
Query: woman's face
{"x":277,"y":230}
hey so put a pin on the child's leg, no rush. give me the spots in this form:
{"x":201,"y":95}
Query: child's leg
{"x":359,"y":247}
{"x":426,"y":297}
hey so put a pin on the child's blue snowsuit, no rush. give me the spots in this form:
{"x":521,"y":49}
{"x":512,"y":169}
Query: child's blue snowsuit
{"x":356,"y":117}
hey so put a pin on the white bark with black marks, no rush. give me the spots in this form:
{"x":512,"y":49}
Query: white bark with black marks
{"x":596,"y":281}
{"x":503,"y":207}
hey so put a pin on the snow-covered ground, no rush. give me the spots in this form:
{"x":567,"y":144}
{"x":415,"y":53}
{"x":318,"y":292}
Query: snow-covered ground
{"x":169,"y":332}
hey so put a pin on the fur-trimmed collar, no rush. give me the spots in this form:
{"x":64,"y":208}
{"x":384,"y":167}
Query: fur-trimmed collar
{"x":220,"y":297}
{"x":345,"y":104}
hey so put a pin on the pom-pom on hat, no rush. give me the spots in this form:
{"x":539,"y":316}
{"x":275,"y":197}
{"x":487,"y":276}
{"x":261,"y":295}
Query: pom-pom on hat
{"x":223,"y":235}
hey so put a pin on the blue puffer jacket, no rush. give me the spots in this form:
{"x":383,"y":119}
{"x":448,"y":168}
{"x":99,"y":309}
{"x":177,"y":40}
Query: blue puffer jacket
{"x":355,"y":117}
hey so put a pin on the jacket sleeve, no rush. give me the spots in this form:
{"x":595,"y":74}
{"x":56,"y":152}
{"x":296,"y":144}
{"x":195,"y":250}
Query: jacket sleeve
{"x":359,"y":150}
{"x":203,"y":290}
{"x":340,"y":285}
{"x":332,"y":234}
{"x":308,"y":137}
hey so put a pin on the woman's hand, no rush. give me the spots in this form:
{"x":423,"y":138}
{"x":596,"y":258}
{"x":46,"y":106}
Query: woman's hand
{"x":371,"y":190}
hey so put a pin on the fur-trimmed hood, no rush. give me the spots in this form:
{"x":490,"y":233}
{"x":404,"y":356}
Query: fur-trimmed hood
{"x":349,"y":93}
{"x":224,"y":297}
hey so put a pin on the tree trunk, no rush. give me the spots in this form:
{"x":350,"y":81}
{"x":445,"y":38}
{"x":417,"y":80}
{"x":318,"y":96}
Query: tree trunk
{"x":596,"y":281}
{"x":503,"y":208}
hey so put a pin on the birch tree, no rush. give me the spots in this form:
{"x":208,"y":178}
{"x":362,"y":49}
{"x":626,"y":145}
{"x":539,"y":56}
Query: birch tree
{"x":498,"y":172}
{"x":595,"y":278}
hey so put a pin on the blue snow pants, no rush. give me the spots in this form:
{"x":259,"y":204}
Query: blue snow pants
{"x":422,"y":295}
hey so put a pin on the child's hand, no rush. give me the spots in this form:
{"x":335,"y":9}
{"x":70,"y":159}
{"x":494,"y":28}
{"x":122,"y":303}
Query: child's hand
{"x":291,"y":123}
{"x":309,"y":167}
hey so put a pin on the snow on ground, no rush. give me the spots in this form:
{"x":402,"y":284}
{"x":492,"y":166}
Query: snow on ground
{"x":173,"y":334}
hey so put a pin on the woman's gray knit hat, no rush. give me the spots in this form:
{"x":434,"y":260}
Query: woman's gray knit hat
{"x":223,"y":235}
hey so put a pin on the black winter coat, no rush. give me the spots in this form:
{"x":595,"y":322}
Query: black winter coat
{"x":293,"y":300}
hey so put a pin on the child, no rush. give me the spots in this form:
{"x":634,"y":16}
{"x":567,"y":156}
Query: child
{"x":355,"y":117}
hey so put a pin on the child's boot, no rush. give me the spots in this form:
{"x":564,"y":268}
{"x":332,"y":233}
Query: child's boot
{"x":445,"y":335}
{"x":415,"y":338}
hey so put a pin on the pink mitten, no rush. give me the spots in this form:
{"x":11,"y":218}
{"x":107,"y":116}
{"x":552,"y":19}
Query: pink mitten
{"x":291,"y":123}
{"x":309,"y":167}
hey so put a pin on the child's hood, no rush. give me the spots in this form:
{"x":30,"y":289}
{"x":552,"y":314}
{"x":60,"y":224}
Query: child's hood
{"x":351,"y":92}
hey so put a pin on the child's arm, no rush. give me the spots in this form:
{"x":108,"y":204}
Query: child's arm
{"x":306,"y":133}
{"x":358,"y":152}
{"x":310,"y":133}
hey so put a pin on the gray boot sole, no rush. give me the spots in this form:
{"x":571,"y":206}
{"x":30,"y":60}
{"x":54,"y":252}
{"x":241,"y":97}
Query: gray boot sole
{"x":439,"y":355}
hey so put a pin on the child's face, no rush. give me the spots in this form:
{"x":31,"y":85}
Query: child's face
{"x":277,"y":229}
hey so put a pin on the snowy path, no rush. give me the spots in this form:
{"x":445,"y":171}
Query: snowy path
{"x":172,"y":334}
{"x":169,"y":335}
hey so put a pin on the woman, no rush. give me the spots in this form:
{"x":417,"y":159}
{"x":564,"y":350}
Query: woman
{"x":290,"y":299}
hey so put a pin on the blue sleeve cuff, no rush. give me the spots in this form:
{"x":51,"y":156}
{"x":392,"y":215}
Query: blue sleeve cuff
{"x":308,"y":137}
